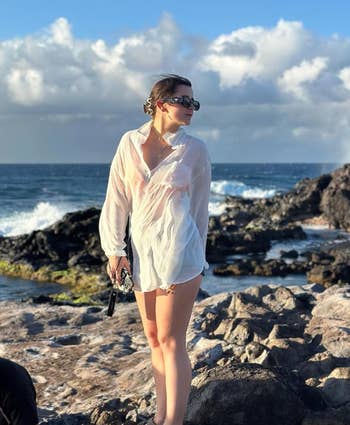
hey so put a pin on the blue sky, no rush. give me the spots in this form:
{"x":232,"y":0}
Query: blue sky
{"x":110,"y":19}
{"x":273,"y":77}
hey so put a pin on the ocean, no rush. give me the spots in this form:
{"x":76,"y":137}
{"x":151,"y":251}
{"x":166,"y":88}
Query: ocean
{"x":34,"y":196}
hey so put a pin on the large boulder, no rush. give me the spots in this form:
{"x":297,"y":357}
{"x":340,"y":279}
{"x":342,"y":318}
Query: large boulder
{"x":71,"y":241}
{"x":303,"y":200}
{"x":335,"y":203}
{"x":243,"y":394}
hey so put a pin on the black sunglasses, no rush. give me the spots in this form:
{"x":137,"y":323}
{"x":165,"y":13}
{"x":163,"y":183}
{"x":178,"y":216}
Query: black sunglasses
{"x":185,"y":101}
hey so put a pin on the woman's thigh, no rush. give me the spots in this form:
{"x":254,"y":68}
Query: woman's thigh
{"x":146,"y":304}
{"x":173,"y":310}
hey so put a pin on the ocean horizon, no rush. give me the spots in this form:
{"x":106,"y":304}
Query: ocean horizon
{"x":34,"y":196}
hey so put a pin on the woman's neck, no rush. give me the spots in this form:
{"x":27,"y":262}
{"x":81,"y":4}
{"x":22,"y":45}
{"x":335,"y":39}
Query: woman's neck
{"x":163,"y":126}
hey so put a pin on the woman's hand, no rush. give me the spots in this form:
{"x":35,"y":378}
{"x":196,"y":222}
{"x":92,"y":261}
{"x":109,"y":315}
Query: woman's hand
{"x":115,"y":266}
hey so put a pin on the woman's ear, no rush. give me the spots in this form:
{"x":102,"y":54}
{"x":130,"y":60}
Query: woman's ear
{"x":161,"y":106}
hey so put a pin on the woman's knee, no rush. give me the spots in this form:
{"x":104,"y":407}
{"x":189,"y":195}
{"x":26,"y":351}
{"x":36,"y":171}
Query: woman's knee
{"x":171,"y":343}
{"x":152,"y":338}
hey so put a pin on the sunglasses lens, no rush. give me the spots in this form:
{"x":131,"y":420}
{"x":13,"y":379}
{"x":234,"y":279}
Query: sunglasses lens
{"x":196,"y":105}
{"x":186,"y":102}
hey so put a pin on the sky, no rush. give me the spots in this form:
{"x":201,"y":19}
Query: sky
{"x":273,"y":78}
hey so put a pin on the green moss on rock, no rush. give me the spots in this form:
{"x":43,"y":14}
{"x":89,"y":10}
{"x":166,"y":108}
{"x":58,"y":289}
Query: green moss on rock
{"x":78,"y":283}
{"x":75,"y":299}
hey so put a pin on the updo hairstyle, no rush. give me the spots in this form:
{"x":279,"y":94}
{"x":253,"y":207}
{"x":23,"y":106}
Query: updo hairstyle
{"x":163,"y":88}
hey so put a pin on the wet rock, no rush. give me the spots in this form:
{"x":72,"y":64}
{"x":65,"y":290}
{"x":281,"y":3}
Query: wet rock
{"x":289,"y":254}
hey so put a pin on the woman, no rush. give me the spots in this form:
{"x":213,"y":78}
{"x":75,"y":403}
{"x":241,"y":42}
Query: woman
{"x":160,"y":178}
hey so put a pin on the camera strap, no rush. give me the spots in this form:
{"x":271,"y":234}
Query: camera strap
{"x":129,"y":253}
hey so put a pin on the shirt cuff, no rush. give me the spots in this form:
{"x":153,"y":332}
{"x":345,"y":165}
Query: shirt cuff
{"x":116,"y":253}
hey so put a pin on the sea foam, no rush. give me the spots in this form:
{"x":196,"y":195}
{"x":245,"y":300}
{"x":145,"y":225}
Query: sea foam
{"x":236,"y":188}
{"x":216,"y":208}
{"x":44,"y":214}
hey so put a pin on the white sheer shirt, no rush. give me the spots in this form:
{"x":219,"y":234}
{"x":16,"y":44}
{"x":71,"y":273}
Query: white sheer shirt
{"x":167,"y":206}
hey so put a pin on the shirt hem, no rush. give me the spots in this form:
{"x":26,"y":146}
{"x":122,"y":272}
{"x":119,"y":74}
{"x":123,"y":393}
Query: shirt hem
{"x":173,"y":283}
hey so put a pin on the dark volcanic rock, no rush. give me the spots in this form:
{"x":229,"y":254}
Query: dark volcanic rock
{"x":335,"y":202}
{"x":71,"y":241}
{"x":247,"y":227}
{"x":114,"y":412}
{"x":243,"y":267}
{"x":333,"y":266}
{"x":289,"y":254}
{"x":304,"y":200}
{"x":243,"y":394}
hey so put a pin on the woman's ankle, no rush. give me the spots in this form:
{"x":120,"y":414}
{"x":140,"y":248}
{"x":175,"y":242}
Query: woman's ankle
{"x":158,"y":419}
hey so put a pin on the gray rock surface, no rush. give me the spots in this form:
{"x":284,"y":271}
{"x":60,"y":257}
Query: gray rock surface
{"x":247,"y":349}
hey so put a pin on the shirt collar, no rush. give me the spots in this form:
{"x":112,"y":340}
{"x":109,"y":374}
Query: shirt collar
{"x":173,"y":139}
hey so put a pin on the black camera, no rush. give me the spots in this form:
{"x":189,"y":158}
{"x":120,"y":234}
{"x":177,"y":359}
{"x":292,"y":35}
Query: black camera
{"x":126,"y":286}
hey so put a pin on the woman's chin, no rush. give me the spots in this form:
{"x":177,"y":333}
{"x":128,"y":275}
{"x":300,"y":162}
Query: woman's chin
{"x":187,"y":121}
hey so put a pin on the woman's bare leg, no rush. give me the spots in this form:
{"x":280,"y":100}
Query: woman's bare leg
{"x":146,"y":305}
{"x":173,"y":312}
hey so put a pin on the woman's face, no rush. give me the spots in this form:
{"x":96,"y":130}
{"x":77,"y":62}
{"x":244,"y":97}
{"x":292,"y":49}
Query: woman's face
{"x":179,"y":114}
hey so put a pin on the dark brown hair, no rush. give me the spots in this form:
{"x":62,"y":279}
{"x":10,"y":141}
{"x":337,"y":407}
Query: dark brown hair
{"x":165,"y":87}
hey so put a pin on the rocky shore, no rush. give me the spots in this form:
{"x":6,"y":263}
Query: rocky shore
{"x":268,"y":355}
{"x":69,"y":251}
{"x":249,"y":226}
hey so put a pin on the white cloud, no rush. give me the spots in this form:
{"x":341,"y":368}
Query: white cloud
{"x":255,"y":52}
{"x":278,"y":93}
{"x":61,"y":32}
{"x":293,"y":80}
{"x":344,"y":75}
{"x":25,"y":86}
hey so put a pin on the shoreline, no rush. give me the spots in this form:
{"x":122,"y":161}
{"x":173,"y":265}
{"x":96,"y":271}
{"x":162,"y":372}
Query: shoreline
{"x":69,"y":251}
{"x":82,"y":285}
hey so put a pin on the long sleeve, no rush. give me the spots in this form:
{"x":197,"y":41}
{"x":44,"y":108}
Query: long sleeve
{"x":199,"y":195}
{"x":116,"y":207}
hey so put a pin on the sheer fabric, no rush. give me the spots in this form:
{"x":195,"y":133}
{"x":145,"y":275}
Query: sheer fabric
{"x":167,"y":206}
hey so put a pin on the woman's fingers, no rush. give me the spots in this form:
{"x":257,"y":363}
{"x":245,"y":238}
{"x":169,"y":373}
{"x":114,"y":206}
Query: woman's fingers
{"x":125,"y":264}
{"x":115,"y":266}
{"x":111,"y":272}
